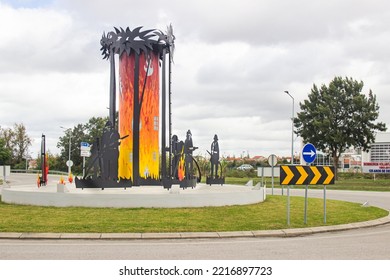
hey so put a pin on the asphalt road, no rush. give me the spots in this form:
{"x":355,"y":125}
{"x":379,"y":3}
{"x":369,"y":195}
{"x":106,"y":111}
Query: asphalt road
{"x":362,"y":244}
{"x":358,"y":244}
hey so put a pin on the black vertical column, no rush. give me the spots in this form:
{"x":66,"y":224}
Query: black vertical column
{"x":43,"y":159}
{"x":163,"y":120}
{"x":170,"y":114}
{"x":136,"y":119}
{"x":112,"y":90}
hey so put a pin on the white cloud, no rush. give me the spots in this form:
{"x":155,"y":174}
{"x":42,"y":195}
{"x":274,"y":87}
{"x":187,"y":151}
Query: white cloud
{"x":44,"y":40}
{"x":233,"y":61}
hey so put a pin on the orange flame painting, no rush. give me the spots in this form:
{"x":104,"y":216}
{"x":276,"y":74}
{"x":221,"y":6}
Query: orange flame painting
{"x":181,"y":166}
{"x":149,"y":115}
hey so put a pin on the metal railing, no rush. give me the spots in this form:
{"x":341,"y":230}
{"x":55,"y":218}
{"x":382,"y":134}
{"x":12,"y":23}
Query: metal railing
{"x":30,"y":171}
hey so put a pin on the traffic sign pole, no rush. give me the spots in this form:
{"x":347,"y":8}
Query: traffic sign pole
{"x":305,"y":216}
{"x":324,"y":204}
{"x":83,"y":167}
{"x":272,"y":160}
{"x":262,"y":177}
{"x":272,"y":180}
{"x":288,"y":205}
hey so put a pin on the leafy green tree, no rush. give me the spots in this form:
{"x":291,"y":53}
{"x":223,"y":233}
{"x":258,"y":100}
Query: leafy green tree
{"x":7,"y":135}
{"x":87,"y":132}
{"x":17,"y":141}
{"x":5,"y":153}
{"x":21,"y":142}
{"x":339,"y":116}
{"x":94,"y":128}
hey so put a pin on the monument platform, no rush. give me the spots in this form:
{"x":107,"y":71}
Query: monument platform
{"x":136,"y":197}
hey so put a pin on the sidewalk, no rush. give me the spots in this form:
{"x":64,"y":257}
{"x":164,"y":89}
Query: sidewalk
{"x":190,"y":235}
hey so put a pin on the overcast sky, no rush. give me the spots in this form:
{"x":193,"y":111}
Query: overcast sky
{"x":233,"y":62}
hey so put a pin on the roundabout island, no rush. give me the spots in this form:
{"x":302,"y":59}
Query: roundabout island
{"x":136,"y":197}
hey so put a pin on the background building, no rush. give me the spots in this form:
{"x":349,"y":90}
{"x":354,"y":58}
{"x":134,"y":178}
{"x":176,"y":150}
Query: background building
{"x":380,"y":150}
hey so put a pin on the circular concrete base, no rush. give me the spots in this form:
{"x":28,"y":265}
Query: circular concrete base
{"x":136,"y":197}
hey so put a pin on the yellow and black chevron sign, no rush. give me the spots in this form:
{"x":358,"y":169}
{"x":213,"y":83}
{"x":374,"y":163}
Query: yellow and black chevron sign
{"x":306,"y":175}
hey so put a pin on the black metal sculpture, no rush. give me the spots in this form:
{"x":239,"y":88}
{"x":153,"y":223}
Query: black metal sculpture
{"x":110,"y":153}
{"x":105,"y":152}
{"x":214,"y":178}
{"x":183,"y":164}
{"x":95,"y":162}
{"x":104,"y":162}
{"x":214,"y":153}
{"x":177,"y":148}
{"x":44,"y":166}
{"x":188,"y":149}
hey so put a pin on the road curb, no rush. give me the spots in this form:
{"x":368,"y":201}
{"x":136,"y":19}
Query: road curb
{"x":291,"y":232}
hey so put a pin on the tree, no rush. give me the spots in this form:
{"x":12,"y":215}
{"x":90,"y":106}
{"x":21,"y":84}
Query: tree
{"x":337,"y":117}
{"x":7,"y":135}
{"x":94,"y":128}
{"x":5,"y":153}
{"x":21,"y":142}
{"x":87,"y":132}
{"x":17,"y":141}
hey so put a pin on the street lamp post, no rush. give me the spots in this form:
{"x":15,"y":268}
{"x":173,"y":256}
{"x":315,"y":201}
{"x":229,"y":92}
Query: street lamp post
{"x":70,"y":146}
{"x":292,"y":128}
{"x":292,"y":156}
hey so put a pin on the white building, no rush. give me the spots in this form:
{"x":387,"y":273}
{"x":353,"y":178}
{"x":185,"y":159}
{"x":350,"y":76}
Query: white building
{"x":380,"y":150}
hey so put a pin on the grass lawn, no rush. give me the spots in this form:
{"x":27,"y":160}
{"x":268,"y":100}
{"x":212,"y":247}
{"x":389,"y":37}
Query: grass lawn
{"x":357,"y":184}
{"x":270,"y":214}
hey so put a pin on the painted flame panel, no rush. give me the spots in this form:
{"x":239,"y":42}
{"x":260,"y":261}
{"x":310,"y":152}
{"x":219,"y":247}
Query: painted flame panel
{"x":149,"y":115}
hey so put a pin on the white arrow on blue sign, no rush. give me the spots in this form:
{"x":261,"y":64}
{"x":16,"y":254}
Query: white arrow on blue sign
{"x":309,"y":153}
{"x":84,"y":144}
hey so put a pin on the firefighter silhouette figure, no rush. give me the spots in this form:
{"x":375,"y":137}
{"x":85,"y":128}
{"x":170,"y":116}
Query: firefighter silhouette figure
{"x":214,"y":153}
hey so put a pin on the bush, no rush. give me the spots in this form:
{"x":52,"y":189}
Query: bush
{"x":241,"y":173}
{"x":359,"y":175}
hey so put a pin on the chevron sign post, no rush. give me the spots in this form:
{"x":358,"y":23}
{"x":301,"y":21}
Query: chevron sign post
{"x":306,"y":175}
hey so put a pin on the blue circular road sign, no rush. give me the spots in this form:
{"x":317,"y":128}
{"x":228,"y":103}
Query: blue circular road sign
{"x":309,"y":153}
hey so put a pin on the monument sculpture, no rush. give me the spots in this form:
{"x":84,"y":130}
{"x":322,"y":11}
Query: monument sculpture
{"x":183,"y":162}
{"x":42,"y":180}
{"x":128,"y":153}
{"x":214,"y":178}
